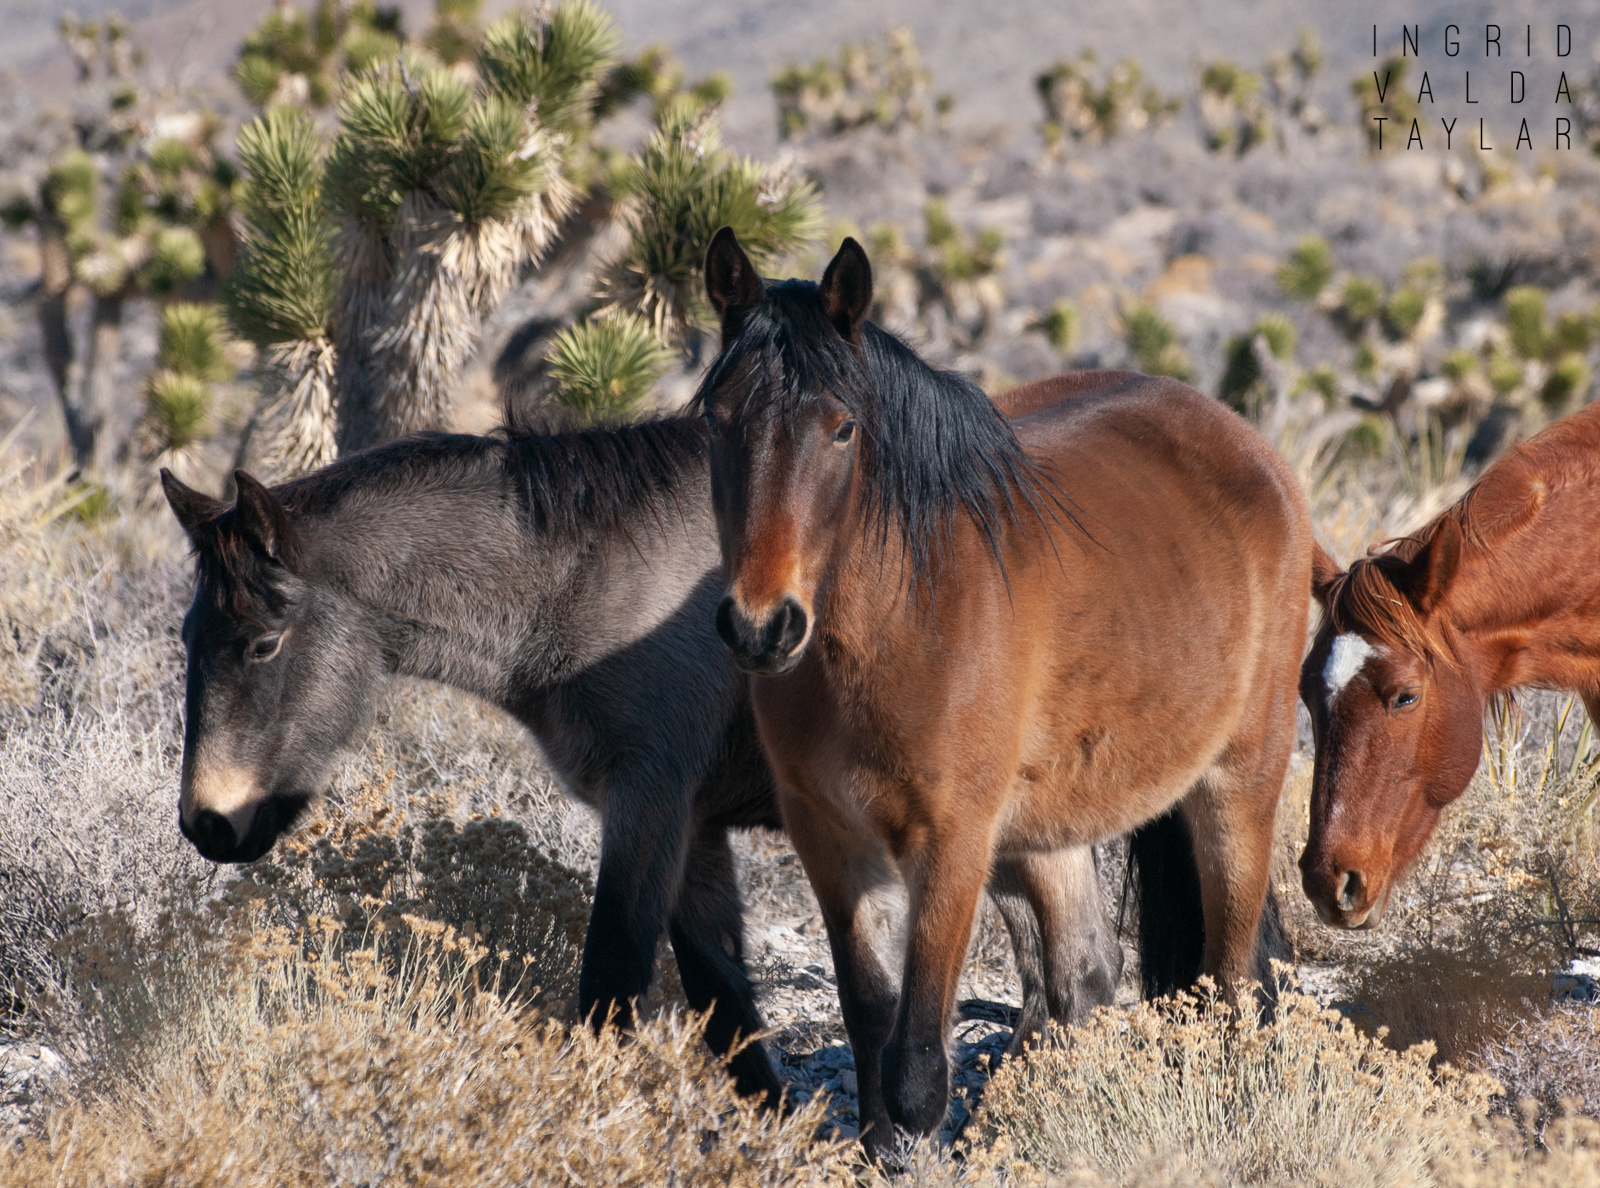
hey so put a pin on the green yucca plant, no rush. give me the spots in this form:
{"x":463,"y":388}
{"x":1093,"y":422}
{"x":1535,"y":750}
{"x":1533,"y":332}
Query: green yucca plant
{"x":178,"y":398}
{"x":1241,"y":377}
{"x":604,"y":367}
{"x":870,"y":84}
{"x":1308,"y":269}
{"x":193,"y":342}
{"x":138,"y":218}
{"x":1154,"y":344}
{"x":178,"y":414}
{"x":556,"y":64}
{"x":281,"y":294}
{"x":1059,"y":325}
{"x":1081,"y":106}
{"x":679,"y":190}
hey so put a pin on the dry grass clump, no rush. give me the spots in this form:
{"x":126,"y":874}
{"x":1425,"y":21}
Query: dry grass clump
{"x":1551,"y":1057}
{"x":1276,"y":1101}
{"x":307,"y":1058}
{"x":32,"y":596}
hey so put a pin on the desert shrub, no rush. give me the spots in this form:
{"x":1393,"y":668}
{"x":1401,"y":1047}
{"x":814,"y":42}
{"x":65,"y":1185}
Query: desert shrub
{"x":1506,"y":373}
{"x":1391,"y":102}
{"x":1551,"y":1057}
{"x":1568,"y":379}
{"x":1361,"y":298}
{"x":1403,"y":312}
{"x":1272,"y":1101}
{"x":1525,"y":307}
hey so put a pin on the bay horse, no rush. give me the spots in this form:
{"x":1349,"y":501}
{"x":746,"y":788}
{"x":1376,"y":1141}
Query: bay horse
{"x":1499,"y":591}
{"x":977,"y":640}
{"x":571,"y":580}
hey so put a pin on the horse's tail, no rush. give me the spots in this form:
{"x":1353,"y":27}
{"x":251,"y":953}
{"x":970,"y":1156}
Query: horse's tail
{"x":1172,"y":927}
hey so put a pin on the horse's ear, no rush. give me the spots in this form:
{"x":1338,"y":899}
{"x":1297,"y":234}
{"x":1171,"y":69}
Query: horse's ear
{"x":1427,"y":576}
{"x":847,"y":289}
{"x":732,"y":285}
{"x":259,"y":518}
{"x":192,"y":507}
{"x":1324,"y":572}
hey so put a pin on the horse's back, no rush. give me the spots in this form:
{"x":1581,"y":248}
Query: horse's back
{"x":1105,"y":432}
{"x":1042,"y":394}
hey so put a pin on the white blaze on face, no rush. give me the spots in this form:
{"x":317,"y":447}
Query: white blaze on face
{"x":1349,"y":652}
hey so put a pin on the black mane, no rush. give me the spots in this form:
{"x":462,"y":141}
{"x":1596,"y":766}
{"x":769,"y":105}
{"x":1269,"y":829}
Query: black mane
{"x":572,"y":484}
{"x":933,"y":444}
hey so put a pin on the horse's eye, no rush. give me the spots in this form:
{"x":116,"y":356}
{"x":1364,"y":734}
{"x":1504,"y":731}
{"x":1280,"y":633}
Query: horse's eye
{"x":844,"y":433}
{"x":266,"y":647}
{"x":1405,"y":699}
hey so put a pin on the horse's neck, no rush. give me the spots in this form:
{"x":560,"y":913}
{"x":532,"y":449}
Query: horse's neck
{"x":486,"y":602}
{"x":1525,"y":603}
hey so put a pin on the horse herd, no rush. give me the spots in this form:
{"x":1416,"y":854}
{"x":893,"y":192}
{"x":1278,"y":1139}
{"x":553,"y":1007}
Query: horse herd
{"x":961,"y":642}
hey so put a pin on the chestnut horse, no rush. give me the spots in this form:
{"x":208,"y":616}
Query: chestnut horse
{"x":1500,"y":591}
{"x":983,"y":640}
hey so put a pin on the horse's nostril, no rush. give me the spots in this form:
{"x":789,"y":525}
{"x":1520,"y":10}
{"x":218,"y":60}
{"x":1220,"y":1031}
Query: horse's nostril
{"x":1352,"y":891}
{"x":725,"y":627}
{"x":791,"y":626}
{"x":212,"y":834}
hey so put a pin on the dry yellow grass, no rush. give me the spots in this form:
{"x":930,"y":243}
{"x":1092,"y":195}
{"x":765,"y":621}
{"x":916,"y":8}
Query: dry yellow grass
{"x":306,"y":1060}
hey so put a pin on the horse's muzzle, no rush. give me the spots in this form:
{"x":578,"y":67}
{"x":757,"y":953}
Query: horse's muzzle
{"x":769,"y":647}
{"x":214,"y":835}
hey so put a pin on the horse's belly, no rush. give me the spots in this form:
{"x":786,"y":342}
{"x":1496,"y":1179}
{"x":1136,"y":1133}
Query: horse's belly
{"x":1103,"y":787}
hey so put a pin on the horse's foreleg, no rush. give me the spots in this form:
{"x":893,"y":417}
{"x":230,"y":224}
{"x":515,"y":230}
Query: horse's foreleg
{"x":642,"y":853}
{"x":1082,"y":957}
{"x":845,"y":866}
{"x":707,"y":930}
{"x":945,"y":875}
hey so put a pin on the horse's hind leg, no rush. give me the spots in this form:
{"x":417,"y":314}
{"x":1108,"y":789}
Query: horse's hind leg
{"x":1080,"y":960}
{"x":1231,"y":813}
{"x":707,"y":930}
{"x":1027,"y":950}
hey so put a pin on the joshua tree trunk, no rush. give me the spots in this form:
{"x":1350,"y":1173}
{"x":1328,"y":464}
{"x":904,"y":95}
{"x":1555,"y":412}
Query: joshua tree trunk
{"x":365,"y":265}
{"x":59,"y":352}
{"x":105,"y":341}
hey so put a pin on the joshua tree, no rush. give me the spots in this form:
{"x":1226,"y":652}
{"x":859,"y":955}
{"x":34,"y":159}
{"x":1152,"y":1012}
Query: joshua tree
{"x":871,"y":84}
{"x":142,"y":213}
{"x":296,"y":58}
{"x":369,"y":260}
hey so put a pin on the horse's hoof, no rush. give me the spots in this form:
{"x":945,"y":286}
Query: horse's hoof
{"x":916,"y":1086}
{"x":891,"y":1147}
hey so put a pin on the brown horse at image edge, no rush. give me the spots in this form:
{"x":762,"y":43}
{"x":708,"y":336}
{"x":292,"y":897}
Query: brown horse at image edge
{"x":1500,"y":591}
{"x":978,"y":639}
